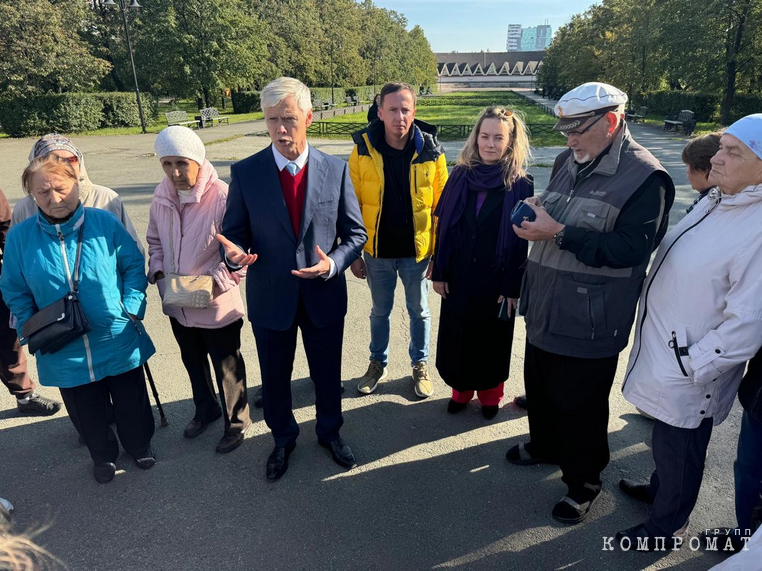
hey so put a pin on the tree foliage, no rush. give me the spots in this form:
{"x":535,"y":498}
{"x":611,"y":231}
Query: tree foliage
{"x":648,"y":45}
{"x":199,"y":47}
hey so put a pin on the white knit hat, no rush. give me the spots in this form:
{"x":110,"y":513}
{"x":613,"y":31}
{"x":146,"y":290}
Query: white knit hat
{"x":179,"y":141}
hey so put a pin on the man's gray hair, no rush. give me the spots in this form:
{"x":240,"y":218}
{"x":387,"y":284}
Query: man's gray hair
{"x":278,"y":89}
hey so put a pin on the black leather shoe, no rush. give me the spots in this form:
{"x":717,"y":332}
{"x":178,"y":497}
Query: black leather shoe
{"x":454,"y":407}
{"x":146,"y":460}
{"x":490,"y":412}
{"x":642,"y":540}
{"x":104,"y":472}
{"x":340,"y":452}
{"x":522,"y":402}
{"x":277,"y":462}
{"x":196,"y":427}
{"x":229,"y":443}
{"x":636,"y":490}
{"x":259,"y":400}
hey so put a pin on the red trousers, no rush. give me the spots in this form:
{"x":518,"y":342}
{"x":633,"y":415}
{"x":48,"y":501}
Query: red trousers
{"x":490,"y":397}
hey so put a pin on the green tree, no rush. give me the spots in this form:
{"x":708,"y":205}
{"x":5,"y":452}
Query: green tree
{"x":40,"y":50}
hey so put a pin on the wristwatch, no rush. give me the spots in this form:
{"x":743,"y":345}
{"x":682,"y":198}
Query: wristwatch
{"x":558,"y":237}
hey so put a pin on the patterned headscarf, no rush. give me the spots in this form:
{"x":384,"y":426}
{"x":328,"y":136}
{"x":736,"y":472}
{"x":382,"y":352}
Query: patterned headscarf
{"x":57,"y":142}
{"x":749,"y":131}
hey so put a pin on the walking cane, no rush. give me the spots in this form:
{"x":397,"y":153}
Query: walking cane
{"x":164,"y":421}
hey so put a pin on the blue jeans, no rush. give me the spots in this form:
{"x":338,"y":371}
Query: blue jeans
{"x":382,"y":274}
{"x":748,"y":472}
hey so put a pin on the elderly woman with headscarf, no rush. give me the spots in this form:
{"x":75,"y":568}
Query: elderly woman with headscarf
{"x":186,"y":214}
{"x":699,"y":321}
{"x":90,"y":195}
{"x":67,"y":253}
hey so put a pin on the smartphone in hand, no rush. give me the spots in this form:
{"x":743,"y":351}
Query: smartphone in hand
{"x":522,"y":211}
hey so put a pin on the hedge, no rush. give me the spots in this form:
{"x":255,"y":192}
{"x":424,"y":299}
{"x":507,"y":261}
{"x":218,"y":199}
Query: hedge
{"x":121,"y":109}
{"x":668,"y":103}
{"x":72,"y":112}
{"x":364,"y":92}
{"x":744,"y":105}
{"x":246,"y":101}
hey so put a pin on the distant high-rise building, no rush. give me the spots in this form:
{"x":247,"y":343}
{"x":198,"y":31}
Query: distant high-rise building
{"x":513,"y":42}
{"x":528,"y":39}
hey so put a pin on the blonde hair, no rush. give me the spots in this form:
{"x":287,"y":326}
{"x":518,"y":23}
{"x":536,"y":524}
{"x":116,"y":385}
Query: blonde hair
{"x":517,"y":153}
{"x":51,"y":164}
{"x":278,"y":89}
{"x":21,"y":553}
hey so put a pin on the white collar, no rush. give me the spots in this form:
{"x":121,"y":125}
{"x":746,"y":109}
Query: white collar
{"x":282,"y":161}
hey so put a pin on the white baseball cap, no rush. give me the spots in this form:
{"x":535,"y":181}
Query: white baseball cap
{"x":585,"y":101}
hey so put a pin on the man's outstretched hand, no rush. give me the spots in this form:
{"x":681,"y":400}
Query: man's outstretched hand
{"x":234,"y":254}
{"x":319,"y":269}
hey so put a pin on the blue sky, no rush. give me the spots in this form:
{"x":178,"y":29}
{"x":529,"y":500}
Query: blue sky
{"x":475,"y":25}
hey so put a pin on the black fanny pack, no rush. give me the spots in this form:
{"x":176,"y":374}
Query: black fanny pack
{"x":58,"y":324}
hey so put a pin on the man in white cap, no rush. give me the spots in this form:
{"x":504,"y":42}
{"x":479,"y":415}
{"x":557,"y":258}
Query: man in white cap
{"x":604,"y":211}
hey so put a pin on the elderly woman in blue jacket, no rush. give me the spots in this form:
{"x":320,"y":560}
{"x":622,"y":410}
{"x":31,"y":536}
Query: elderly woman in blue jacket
{"x":38,"y":265}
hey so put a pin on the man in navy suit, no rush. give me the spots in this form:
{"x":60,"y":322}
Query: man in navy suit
{"x":292,"y":210}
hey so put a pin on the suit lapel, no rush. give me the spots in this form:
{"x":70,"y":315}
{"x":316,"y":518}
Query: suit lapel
{"x":316,"y":173}
{"x":270,"y":183}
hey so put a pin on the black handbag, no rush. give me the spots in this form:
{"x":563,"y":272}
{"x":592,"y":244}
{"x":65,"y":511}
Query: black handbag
{"x":58,"y":324}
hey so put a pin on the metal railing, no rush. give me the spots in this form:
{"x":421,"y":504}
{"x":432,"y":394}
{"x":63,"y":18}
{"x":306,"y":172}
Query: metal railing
{"x":444,"y":131}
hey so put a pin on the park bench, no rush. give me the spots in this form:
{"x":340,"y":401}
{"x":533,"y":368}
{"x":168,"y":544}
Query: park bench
{"x":685,"y":120}
{"x":210,"y":115}
{"x":635,"y":117}
{"x":321,"y":105}
{"x":180,"y":118}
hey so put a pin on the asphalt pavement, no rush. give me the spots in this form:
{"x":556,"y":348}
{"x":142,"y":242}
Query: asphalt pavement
{"x":432,"y":490}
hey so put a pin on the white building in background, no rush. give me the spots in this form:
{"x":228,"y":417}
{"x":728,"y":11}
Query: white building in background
{"x":535,"y":38}
{"x":513,"y":42}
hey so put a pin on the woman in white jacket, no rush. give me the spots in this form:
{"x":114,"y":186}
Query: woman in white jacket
{"x":699,"y":321}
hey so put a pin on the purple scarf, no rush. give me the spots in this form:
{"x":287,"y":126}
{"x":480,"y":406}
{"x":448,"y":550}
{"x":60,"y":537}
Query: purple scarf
{"x":453,"y":203}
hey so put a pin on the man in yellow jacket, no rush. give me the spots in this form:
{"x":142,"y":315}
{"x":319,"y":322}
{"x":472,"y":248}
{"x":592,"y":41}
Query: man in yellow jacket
{"x":398,"y":169}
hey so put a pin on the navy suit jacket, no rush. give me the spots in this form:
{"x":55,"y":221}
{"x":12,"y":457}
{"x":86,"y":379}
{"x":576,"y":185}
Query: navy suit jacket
{"x":257,"y":220}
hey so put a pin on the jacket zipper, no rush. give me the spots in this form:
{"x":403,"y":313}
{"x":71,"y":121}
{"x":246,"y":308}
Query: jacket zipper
{"x":650,"y":283}
{"x":674,"y":345}
{"x":590,"y":316}
{"x":61,"y":243}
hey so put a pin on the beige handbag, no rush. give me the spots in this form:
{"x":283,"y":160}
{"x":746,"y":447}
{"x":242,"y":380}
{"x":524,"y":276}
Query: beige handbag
{"x":194,"y":292}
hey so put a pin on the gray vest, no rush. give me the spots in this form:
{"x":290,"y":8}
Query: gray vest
{"x":570,"y":308}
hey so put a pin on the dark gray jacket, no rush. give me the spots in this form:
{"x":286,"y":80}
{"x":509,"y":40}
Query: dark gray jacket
{"x":579,"y":299}
{"x":750,"y":391}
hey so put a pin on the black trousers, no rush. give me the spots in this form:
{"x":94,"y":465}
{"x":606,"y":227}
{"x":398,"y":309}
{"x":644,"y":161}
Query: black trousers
{"x":134,"y":419}
{"x":569,"y":412}
{"x":276,"y":360}
{"x":13,"y":372}
{"x":679,"y":455}
{"x":223,"y":346}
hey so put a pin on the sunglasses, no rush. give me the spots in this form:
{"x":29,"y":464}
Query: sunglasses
{"x":568,"y":134}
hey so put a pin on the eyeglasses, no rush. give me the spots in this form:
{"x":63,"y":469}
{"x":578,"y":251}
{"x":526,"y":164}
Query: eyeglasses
{"x":503,"y":112}
{"x":72,"y":160}
{"x":568,"y":134}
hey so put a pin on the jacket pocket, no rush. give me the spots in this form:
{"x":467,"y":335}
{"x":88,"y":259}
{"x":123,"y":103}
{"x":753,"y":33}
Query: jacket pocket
{"x":679,"y":347}
{"x":594,"y":216}
{"x":578,"y":310}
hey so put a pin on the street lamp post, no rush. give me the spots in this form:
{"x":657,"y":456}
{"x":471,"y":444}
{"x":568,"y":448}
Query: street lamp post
{"x":332,"y":101}
{"x":121,"y":4}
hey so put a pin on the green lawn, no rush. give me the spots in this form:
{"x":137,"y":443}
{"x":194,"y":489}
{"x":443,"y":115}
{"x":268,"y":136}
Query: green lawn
{"x":463,"y":107}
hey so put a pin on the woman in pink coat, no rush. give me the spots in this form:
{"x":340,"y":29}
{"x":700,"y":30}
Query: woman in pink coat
{"x":186,"y":213}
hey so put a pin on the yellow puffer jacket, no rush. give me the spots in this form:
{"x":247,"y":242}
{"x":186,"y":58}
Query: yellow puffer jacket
{"x":428,"y":175}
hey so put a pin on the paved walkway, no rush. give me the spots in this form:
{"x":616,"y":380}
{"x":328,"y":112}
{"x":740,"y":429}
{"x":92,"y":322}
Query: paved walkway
{"x":432,"y":491}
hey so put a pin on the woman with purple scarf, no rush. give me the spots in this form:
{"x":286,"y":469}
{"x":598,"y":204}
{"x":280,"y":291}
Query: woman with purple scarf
{"x":479,"y":261}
